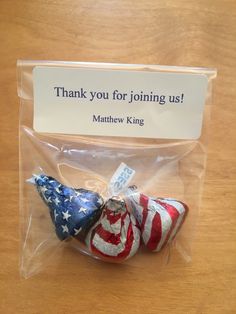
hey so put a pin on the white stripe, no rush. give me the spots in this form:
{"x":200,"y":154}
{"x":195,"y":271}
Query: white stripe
{"x":166,"y":221}
{"x":180,"y":208}
{"x":113,"y":228}
{"x":124,"y":229}
{"x":135,"y":197}
{"x":133,"y":220}
{"x":137,"y":211}
{"x":146,"y":232}
{"x":106,"y":247}
{"x":109,"y":248}
{"x":136,"y":241}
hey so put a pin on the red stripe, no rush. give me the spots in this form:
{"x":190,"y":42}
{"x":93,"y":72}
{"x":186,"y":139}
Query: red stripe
{"x":112,"y":238}
{"x":128,"y":244}
{"x":183,"y":218}
{"x":96,"y":251}
{"x":121,"y":255}
{"x":107,"y":235}
{"x":174,"y":215}
{"x":93,"y":247}
{"x":156,"y":232}
{"x":111,"y":216}
{"x":144,"y":203}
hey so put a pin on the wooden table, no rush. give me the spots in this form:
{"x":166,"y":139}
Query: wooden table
{"x":191,"y":33}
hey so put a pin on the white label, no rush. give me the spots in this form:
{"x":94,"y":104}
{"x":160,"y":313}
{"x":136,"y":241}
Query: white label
{"x":120,"y":179}
{"x":118,"y":103}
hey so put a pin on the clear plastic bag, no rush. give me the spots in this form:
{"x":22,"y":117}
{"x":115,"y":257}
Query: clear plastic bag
{"x":164,"y":168}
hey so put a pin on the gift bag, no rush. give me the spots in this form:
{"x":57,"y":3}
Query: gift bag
{"x":112,"y":160}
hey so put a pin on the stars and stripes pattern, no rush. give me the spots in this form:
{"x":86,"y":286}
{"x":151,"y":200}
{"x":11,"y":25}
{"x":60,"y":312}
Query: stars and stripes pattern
{"x":71,"y":210}
{"x":113,"y":231}
{"x":159,"y":219}
{"x":115,"y":236}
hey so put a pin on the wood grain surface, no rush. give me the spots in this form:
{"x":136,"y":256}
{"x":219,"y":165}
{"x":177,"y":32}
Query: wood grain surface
{"x":191,"y":33}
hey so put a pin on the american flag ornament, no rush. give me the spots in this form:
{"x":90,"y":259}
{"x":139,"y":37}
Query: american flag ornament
{"x":116,"y":236}
{"x":160,"y":219}
{"x":73,"y":211}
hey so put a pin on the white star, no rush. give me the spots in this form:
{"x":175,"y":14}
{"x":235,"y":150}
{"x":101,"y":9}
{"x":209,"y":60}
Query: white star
{"x":43,"y":189}
{"x":47,"y":199}
{"x":57,"y":189}
{"x":56,"y":201}
{"x":84,"y":200}
{"x":71,"y":196}
{"x":82,"y":209}
{"x":55,"y":214}
{"x":77,"y":231}
{"x":65,"y":228}
{"x":77,"y":193}
{"x":66,"y":215}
